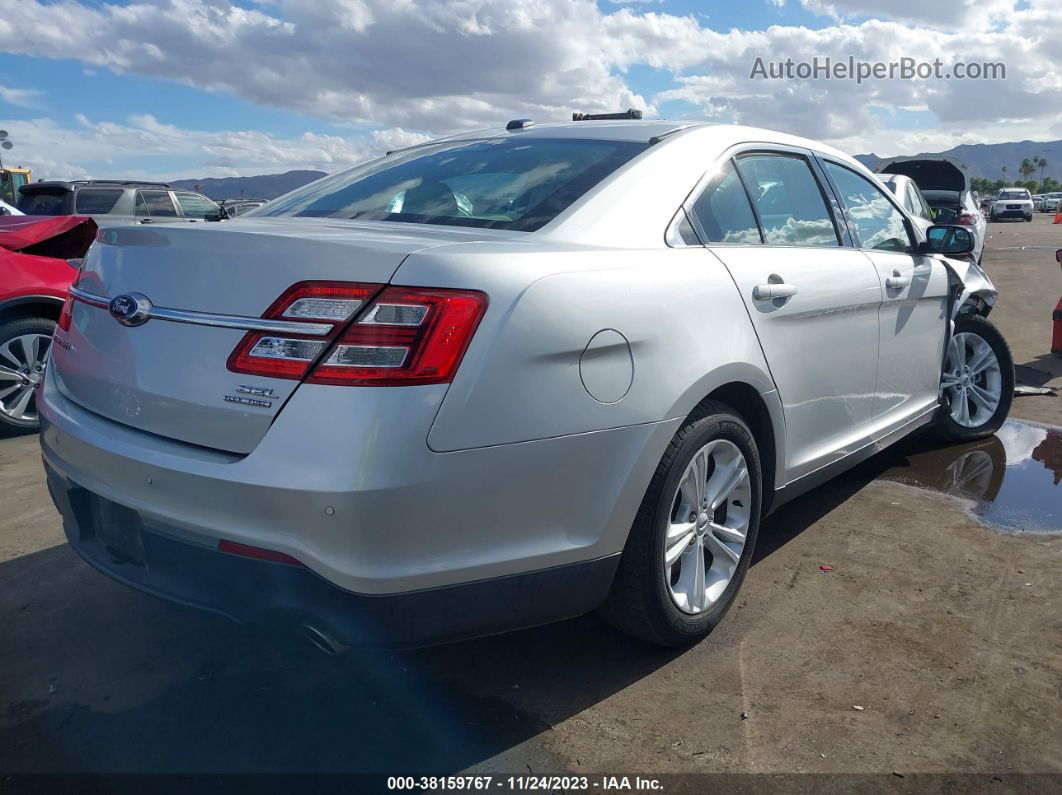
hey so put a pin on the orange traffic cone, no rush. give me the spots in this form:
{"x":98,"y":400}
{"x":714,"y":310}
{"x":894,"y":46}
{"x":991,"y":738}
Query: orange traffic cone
{"x":1058,"y":213}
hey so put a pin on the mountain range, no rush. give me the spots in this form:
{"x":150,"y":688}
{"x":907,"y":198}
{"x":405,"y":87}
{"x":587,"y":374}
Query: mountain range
{"x":987,"y":160}
{"x":981,"y":160}
{"x":264,"y":186}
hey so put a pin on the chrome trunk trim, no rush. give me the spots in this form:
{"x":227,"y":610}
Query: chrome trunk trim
{"x":213,"y":319}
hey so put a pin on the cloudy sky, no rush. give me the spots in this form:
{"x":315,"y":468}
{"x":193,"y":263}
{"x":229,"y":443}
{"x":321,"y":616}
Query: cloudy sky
{"x":176,"y":88}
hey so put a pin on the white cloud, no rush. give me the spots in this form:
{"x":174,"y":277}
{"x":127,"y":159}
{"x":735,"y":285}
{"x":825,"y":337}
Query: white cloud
{"x":435,"y":66}
{"x":21,"y":97}
{"x":92,"y":148}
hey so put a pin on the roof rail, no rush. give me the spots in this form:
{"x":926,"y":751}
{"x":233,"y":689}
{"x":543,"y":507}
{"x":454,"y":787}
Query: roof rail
{"x":124,"y":182}
{"x":661,"y":136}
{"x":630,"y":113}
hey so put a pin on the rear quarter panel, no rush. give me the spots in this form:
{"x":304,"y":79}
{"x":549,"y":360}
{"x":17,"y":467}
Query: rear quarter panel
{"x":668,"y":325}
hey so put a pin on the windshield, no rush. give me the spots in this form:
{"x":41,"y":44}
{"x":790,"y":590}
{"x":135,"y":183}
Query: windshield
{"x":509,"y":183}
{"x":1014,"y":194}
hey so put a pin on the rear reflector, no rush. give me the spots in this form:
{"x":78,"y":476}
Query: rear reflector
{"x":247,"y":551}
{"x":407,"y":336}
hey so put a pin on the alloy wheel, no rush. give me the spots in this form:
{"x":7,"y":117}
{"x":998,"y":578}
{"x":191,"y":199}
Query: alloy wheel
{"x":972,"y":380}
{"x":707,"y":526}
{"x":22,"y":363}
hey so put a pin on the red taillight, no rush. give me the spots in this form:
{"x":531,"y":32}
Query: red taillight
{"x":408,"y":336}
{"x":405,"y":337}
{"x":291,"y":355}
{"x":66,"y":313}
{"x":247,"y":551}
{"x":966,"y":219}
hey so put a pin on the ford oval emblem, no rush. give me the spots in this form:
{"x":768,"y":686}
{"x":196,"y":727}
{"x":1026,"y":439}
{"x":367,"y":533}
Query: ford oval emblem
{"x":130,"y":309}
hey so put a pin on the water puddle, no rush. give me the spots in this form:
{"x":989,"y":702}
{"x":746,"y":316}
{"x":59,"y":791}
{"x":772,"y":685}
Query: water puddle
{"x":1014,"y":478}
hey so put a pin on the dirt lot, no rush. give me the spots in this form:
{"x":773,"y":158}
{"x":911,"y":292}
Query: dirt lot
{"x":947,"y":634}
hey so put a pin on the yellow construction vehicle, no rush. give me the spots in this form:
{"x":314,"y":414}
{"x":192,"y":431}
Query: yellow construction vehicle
{"x":11,"y":179}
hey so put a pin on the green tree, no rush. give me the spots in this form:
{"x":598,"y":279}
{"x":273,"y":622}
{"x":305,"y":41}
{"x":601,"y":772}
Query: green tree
{"x":1042,"y":163}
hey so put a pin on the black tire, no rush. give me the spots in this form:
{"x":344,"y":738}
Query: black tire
{"x":946,"y":427}
{"x":10,"y":426}
{"x":639,"y":603}
{"x":1029,"y":219}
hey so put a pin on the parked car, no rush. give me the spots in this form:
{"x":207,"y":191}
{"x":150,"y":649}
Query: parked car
{"x":1038,"y":202}
{"x":111,"y":202}
{"x":37,"y":258}
{"x":235,"y":207}
{"x":7,"y":209}
{"x":907,"y":193}
{"x":946,"y":186}
{"x":506,"y":378}
{"x":1051,"y":202}
{"x":1012,"y":203}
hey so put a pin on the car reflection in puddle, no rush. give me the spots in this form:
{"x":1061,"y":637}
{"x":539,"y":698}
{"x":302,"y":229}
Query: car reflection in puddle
{"x":1012,"y":478}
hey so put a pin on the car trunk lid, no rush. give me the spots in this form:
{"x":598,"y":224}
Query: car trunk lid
{"x":172,"y":378}
{"x":936,"y":173}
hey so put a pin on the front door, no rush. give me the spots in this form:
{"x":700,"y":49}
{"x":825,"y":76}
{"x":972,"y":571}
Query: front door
{"x":914,"y":312}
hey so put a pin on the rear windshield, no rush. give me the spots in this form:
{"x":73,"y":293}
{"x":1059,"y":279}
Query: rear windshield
{"x":942,"y":198}
{"x":1014,"y":194}
{"x":45,"y":202}
{"x":510,"y":183}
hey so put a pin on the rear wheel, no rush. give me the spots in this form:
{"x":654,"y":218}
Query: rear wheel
{"x":693,"y":538}
{"x":978,"y":381}
{"x":24,"y":348}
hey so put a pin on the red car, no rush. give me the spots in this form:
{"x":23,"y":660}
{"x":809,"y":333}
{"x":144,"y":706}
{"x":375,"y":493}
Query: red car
{"x":36,"y":268}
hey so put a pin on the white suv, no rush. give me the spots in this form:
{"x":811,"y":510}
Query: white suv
{"x":1012,"y":203}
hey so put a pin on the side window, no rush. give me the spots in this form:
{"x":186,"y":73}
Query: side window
{"x":792,"y":209}
{"x":194,"y":205}
{"x":724,"y":212}
{"x":908,"y":199}
{"x":878,"y":224}
{"x":915,"y":204}
{"x":96,"y":201}
{"x":156,"y":203}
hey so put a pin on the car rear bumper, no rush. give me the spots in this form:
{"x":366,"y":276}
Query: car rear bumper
{"x":152,"y":558}
{"x":364,"y":505}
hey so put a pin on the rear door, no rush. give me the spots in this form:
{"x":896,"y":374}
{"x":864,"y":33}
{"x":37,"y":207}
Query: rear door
{"x":813,"y":302}
{"x":913,"y":317}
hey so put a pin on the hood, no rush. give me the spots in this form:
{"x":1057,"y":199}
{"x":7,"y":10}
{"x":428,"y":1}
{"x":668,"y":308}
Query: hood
{"x":929,"y":173}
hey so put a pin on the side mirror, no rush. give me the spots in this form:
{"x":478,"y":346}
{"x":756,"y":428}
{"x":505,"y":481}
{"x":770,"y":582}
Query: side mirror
{"x":218,"y":216}
{"x":949,"y":240}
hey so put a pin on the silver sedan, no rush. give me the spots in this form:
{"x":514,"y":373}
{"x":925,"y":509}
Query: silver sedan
{"x":505,"y":378}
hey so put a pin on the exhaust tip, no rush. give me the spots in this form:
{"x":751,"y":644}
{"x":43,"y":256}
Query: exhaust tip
{"x":323,"y":641}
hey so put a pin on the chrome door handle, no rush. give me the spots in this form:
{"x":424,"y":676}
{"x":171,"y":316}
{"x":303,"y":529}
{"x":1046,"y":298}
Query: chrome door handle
{"x":896,"y":281}
{"x":767,"y":292}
